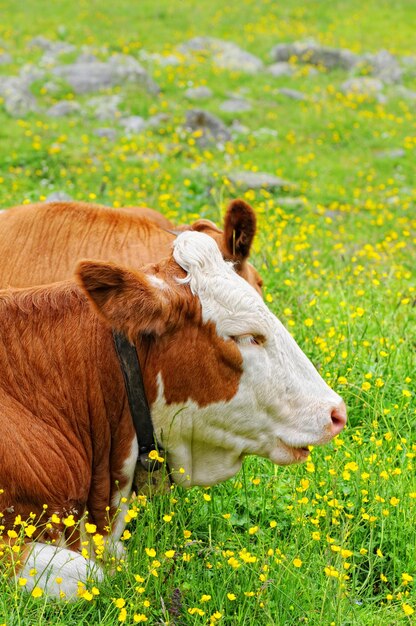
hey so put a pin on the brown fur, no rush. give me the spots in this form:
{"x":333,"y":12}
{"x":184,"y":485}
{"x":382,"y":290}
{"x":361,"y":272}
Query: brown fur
{"x":41,"y":243}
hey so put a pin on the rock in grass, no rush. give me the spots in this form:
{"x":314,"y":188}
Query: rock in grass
{"x":49,"y":46}
{"x":212,"y":129}
{"x":314,"y":54}
{"x":235,"y":105}
{"x":383,"y":65}
{"x":93,"y":76}
{"x":198,"y":93}
{"x":409,"y":60}
{"x":58,"y":196}
{"x":225,"y":54}
{"x":362,"y":85}
{"x":133,"y":124}
{"x":104,"y":107}
{"x":158,"y":120}
{"x":5,"y":58}
{"x":291,"y":202}
{"x":258,"y":180}
{"x":164,"y":60}
{"x":404,"y":92}
{"x":63,"y":108}
{"x":18,"y":100}
{"x":107,"y":133}
{"x":238,"y":60}
{"x":392,"y":153}
{"x":15,"y":90}
{"x":293,"y":94}
{"x":283,"y":68}
{"x":86,"y":57}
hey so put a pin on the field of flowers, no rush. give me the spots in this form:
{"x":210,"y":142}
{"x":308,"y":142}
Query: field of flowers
{"x":330,"y":542}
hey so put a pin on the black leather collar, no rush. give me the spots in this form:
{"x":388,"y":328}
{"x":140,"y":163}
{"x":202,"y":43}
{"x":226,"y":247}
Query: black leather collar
{"x":136,"y":395}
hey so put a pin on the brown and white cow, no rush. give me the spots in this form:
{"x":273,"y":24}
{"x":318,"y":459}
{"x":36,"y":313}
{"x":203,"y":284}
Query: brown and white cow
{"x":223,"y":377}
{"x":41,"y":243}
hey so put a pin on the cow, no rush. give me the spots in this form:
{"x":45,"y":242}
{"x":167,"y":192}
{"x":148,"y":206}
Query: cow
{"x":41,"y":243}
{"x":223,"y":377}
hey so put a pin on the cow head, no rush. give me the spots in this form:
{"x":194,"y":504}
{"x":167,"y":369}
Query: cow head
{"x":223,"y":376}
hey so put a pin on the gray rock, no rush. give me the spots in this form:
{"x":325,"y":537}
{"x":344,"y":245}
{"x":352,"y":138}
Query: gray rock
{"x":225,"y":54}
{"x":239,"y":129}
{"x":51,"y":47}
{"x":108,"y":133}
{"x":51,"y":50}
{"x":59,"y":196}
{"x":19,"y":103}
{"x":265,"y":132}
{"x":133,"y":124}
{"x":393,"y":153}
{"x":258,"y":180}
{"x":18,"y":100}
{"x":198,"y":93}
{"x":409,"y":60}
{"x":93,"y":76}
{"x":212,"y":128}
{"x":405,"y":93}
{"x":5,"y":58}
{"x":63,"y":108}
{"x":362,"y":85}
{"x":281,"y":69}
{"x":86,"y":57}
{"x":170,"y":60}
{"x":105,"y":107}
{"x":238,"y":60}
{"x":315,"y":54}
{"x":291,"y":202}
{"x":202,"y":44}
{"x":30,"y":73}
{"x":235,"y":105}
{"x":158,"y":120}
{"x":52,"y":86}
{"x":293,"y":94}
{"x":15,"y":90}
{"x":384,"y":66}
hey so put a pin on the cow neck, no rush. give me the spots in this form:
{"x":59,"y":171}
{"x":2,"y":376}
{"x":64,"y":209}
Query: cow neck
{"x":137,"y":400}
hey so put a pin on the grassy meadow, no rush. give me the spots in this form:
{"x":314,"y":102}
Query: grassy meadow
{"x":330,"y":542}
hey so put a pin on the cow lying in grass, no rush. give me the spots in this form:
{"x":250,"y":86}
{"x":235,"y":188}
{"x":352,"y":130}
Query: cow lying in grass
{"x":41,"y":243}
{"x":223,"y":377}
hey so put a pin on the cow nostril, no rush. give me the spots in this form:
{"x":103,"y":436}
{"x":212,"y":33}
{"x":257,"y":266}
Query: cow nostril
{"x":338,"y":418}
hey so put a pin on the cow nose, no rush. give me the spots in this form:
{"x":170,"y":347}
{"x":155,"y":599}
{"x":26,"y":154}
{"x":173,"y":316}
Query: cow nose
{"x":338,"y":419}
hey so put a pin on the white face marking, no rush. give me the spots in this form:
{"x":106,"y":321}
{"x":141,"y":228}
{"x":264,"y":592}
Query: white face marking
{"x":282,"y":403}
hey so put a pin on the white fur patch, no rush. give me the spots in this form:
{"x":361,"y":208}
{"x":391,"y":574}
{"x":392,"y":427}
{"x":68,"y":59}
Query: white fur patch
{"x":58,"y":571}
{"x":226,"y":298}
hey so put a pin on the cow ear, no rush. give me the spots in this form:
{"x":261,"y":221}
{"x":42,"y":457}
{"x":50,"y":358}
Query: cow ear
{"x":128,"y":300}
{"x":239,"y":229}
{"x":203,"y":225}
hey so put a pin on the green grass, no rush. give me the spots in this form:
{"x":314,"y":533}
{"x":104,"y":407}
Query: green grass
{"x":332,"y":541}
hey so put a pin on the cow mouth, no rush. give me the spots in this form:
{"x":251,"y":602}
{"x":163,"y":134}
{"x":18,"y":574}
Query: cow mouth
{"x":298,"y":453}
{"x":301,"y":454}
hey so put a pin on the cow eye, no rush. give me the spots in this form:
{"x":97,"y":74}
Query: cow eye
{"x":249,"y":340}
